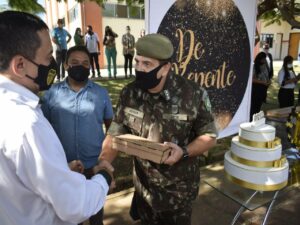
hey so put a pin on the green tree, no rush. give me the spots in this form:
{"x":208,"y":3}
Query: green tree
{"x":272,"y":11}
{"x":275,"y":11}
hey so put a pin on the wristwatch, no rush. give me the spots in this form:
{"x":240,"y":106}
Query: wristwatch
{"x":185,"y":152}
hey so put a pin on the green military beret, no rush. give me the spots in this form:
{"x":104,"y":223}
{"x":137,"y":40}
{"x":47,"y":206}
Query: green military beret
{"x":155,"y":46}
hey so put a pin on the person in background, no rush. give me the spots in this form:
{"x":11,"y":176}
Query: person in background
{"x":36,"y":185}
{"x":260,"y":83}
{"x":287,"y":80}
{"x":84,"y":106}
{"x":110,"y":50}
{"x":142,"y":33}
{"x":78,"y":37}
{"x":61,"y":38}
{"x":269,"y":59}
{"x":128,"y":43}
{"x":93,"y":46}
{"x":149,"y":108}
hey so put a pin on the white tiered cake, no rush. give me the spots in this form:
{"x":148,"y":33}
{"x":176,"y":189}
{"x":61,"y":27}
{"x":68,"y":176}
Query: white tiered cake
{"x":255,"y":159}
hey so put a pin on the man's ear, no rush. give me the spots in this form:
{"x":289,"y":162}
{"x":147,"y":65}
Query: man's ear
{"x":66,"y":66}
{"x":166,"y":69}
{"x":18,"y":65}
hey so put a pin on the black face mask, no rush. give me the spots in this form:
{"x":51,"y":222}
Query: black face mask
{"x":79,"y":73}
{"x":147,"y":80}
{"x":46,"y":74}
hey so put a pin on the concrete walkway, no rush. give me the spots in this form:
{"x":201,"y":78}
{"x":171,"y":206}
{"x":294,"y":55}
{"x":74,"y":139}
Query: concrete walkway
{"x":212,"y":207}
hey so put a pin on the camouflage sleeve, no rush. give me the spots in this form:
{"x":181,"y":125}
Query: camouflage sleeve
{"x":204,"y":123}
{"x":117,"y":127}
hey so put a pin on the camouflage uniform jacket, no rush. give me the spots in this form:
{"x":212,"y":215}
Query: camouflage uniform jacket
{"x":177,"y":114}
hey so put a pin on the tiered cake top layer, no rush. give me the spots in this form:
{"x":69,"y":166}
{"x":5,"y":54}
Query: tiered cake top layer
{"x":258,"y":132}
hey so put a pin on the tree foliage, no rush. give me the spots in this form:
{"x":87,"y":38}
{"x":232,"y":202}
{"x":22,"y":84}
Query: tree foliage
{"x":272,"y":11}
{"x":275,"y":11}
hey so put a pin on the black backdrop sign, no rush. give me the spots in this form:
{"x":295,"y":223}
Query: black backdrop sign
{"x":212,"y":49}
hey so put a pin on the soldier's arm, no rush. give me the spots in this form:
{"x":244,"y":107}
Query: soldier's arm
{"x":200,"y":145}
{"x":116,"y":128}
{"x":108,"y":153}
{"x":205,"y":129}
{"x":197,"y":147}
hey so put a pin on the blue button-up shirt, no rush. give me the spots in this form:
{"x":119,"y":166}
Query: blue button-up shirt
{"x":77,"y":118}
{"x":60,"y":35}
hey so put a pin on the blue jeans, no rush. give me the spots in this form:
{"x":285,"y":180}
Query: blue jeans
{"x":111,"y":54}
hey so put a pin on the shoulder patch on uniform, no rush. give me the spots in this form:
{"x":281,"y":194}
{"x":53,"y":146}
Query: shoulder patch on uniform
{"x":206,"y":101}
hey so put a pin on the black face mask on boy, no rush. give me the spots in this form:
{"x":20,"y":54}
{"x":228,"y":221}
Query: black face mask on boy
{"x":79,"y":73}
{"x":46,"y":74}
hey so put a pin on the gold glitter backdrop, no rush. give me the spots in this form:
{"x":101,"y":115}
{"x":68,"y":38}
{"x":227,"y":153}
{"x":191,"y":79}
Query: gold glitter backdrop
{"x":213,"y":9}
{"x":212,"y":49}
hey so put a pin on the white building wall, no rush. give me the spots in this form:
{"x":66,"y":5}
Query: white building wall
{"x":275,"y":29}
{"x":119,"y":26}
{"x":62,"y":10}
{"x":76,"y":22}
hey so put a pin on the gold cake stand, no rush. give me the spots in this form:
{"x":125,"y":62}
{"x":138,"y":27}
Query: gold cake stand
{"x":247,"y":199}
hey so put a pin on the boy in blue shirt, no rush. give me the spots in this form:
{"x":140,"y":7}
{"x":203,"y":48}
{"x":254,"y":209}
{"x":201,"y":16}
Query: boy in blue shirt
{"x":77,"y":108}
{"x":61,"y":38}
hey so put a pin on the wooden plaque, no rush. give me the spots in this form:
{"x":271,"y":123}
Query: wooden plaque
{"x":141,"y":147}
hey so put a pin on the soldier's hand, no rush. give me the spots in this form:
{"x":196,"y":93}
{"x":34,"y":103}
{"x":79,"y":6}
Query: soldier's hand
{"x":175,"y":154}
{"x":103,"y":164}
{"x":76,"y":166}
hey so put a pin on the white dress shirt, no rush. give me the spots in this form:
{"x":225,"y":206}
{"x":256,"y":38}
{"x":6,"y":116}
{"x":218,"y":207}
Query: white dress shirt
{"x":281,"y":78}
{"x":36,"y":185}
{"x":92,"y":42}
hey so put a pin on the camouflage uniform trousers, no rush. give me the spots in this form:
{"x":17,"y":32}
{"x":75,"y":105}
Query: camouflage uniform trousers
{"x":149,"y":216}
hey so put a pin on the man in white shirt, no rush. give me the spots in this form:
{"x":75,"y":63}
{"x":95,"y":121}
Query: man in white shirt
{"x":269,"y":58}
{"x":36,"y":185}
{"x":93,"y":46}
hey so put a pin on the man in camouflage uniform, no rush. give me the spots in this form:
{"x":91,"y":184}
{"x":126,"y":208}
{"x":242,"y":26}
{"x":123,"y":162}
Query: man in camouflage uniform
{"x":168,"y":109}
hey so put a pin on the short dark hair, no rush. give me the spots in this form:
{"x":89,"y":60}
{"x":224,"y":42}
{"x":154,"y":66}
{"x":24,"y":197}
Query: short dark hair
{"x":18,"y":36}
{"x":78,"y":48}
{"x":257,"y":61}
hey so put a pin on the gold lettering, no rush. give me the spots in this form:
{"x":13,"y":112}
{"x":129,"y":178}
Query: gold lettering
{"x":219,"y":78}
{"x":198,"y":49}
{"x":230,"y":78}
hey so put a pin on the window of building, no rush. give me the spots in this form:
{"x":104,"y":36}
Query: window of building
{"x":109,"y":10}
{"x":143,"y":13}
{"x":73,"y":13}
{"x":134,"y":12}
{"x":267,"y":38}
{"x":123,"y":11}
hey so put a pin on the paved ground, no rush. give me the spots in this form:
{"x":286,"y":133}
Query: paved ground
{"x":213,"y":208}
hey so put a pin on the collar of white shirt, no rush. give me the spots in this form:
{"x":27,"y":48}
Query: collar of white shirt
{"x":17,"y":93}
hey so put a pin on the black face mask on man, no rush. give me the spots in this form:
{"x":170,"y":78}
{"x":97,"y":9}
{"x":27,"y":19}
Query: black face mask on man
{"x":79,"y":73}
{"x":46,"y":74}
{"x":147,"y":80}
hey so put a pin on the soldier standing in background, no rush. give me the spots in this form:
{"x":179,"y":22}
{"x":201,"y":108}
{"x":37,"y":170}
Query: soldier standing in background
{"x":128,"y":42}
{"x":168,"y":109}
{"x":269,"y":59}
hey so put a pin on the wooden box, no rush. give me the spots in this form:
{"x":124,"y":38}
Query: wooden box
{"x":281,"y":112}
{"x":141,"y":147}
